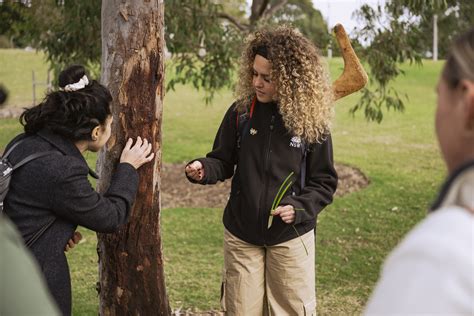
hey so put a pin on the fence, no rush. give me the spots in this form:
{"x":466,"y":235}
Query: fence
{"x":35,"y":83}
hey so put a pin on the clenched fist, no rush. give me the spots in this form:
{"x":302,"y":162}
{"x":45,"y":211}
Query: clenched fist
{"x":195,"y":170}
{"x":286,"y":212}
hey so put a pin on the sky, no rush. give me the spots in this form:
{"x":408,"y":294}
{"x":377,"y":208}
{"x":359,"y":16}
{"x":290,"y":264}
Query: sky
{"x":340,"y":11}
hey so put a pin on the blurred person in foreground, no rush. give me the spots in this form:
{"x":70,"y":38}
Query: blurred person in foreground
{"x":3,"y":95}
{"x":432,"y":270}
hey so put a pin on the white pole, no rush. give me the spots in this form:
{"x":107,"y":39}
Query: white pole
{"x":330,"y":32}
{"x":435,"y":37}
{"x":34,"y":87}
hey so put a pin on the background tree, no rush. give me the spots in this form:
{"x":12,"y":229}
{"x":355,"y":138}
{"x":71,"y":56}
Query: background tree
{"x":454,"y":17}
{"x":204,"y":37}
{"x":132,"y":280}
{"x":11,"y":17}
{"x":406,"y":37}
{"x":303,"y":15}
{"x":67,"y":31}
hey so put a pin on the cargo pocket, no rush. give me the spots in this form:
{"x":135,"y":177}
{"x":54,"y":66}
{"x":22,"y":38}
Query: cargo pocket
{"x":310,"y":308}
{"x":223,"y":291}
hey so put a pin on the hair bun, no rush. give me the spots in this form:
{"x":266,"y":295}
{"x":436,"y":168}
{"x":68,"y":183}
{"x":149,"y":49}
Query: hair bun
{"x":71,"y":75}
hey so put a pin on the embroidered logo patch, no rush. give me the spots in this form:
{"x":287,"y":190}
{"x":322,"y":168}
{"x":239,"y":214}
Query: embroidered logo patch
{"x":253,"y":131}
{"x":295,"y":142}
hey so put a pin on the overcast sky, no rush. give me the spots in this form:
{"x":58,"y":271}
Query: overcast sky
{"x":340,"y":11}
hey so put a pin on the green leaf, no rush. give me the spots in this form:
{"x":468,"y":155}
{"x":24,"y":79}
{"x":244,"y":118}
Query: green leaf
{"x":281,"y":192}
{"x":301,"y":239}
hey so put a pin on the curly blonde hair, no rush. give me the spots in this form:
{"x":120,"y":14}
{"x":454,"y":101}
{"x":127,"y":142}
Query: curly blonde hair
{"x":303,"y":88}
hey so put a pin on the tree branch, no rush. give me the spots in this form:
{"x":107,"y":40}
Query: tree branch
{"x":240,"y":26}
{"x":258,"y":7}
{"x":273,"y":9}
{"x":263,"y":7}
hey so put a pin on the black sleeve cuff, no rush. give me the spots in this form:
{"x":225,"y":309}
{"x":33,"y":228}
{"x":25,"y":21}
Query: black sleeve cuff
{"x":125,"y":180}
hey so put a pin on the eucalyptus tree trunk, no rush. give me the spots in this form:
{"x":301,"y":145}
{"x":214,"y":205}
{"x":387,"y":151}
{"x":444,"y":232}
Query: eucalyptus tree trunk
{"x":131,"y":260}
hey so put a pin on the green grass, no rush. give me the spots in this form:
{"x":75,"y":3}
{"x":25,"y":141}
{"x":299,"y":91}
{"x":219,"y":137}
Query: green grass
{"x":16,"y":67}
{"x":355,"y":233}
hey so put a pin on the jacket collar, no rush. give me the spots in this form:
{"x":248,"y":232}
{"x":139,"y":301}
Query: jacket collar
{"x":65,"y":146}
{"x":458,"y":188}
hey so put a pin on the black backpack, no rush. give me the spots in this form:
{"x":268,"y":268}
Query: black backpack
{"x":243,"y":127}
{"x":6,"y":170}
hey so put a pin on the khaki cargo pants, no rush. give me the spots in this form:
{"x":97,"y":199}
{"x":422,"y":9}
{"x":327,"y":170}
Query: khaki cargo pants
{"x":273,"y":280}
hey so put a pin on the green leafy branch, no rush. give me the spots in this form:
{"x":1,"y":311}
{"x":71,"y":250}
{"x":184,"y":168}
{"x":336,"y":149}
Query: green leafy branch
{"x":276,"y":202}
{"x":281,"y":192}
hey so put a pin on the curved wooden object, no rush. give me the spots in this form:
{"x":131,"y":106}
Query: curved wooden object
{"x":353,"y":77}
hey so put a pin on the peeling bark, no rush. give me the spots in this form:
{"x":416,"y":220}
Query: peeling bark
{"x":131,"y":260}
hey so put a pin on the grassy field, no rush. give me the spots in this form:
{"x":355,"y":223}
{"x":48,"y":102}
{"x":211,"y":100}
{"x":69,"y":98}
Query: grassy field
{"x":355,"y":233}
{"x":16,"y":74}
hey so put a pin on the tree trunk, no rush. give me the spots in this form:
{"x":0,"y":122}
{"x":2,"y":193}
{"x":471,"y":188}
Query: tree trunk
{"x":131,"y":260}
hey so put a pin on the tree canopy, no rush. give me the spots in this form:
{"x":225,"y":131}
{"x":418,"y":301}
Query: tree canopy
{"x":204,"y":37}
{"x":407,"y":37}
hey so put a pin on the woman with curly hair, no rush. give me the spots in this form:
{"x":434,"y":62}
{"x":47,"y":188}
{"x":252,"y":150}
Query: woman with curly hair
{"x":277,"y":135}
{"x":51,"y":195}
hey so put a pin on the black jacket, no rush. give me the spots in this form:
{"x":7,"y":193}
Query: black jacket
{"x":56,"y":186}
{"x":268,"y":154}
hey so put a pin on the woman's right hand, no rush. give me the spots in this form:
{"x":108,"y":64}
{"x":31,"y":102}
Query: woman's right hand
{"x":195,"y":170}
{"x":138,"y":154}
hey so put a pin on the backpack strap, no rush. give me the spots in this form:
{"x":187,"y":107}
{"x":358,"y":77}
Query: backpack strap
{"x":34,"y":156}
{"x":30,"y":242}
{"x":13,"y":147}
{"x":304,"y":148}
{"x":242,"y":122}
{"x":24,"y":161}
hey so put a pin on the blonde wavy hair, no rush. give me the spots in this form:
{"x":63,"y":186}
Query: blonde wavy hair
{"x":303,"y":88}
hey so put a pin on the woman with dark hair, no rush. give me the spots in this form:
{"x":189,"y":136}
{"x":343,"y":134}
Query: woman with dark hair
{"x":431,"y":272}
{"x":51,"y":195}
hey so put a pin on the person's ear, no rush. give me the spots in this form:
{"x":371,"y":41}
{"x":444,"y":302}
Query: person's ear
{"x":467,"y":88}
{"x":95,"y":133}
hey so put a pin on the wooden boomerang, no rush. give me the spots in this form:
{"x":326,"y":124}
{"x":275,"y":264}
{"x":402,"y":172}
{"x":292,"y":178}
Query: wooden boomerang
{"x":353,"y":77}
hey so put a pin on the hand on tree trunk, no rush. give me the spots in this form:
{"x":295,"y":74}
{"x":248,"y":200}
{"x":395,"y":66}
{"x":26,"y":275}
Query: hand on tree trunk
{"x":138,"y":154}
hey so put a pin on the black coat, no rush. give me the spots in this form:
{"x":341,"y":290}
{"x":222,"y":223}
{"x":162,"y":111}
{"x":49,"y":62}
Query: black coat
{"x":56,"y":186}
{"x":268,"y":154}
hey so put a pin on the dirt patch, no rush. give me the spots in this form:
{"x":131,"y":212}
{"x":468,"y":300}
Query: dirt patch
{"x":10,"y":112}
{"x":177,"y":191}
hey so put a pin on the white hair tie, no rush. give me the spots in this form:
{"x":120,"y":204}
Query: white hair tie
{"x":81,"y":84}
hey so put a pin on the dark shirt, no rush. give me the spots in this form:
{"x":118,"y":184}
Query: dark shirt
{"x":268,"y":154}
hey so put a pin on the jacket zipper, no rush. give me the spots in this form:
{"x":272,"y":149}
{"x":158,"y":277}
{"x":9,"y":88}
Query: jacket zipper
{"x":264,"y":212}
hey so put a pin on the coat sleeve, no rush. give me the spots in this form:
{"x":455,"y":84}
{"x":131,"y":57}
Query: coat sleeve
{"x":219,"y":163}
{"x":74,"y":198}
{"x":321,"y":183}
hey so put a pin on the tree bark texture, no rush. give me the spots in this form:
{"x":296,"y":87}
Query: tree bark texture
{"x":131,"y":260}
